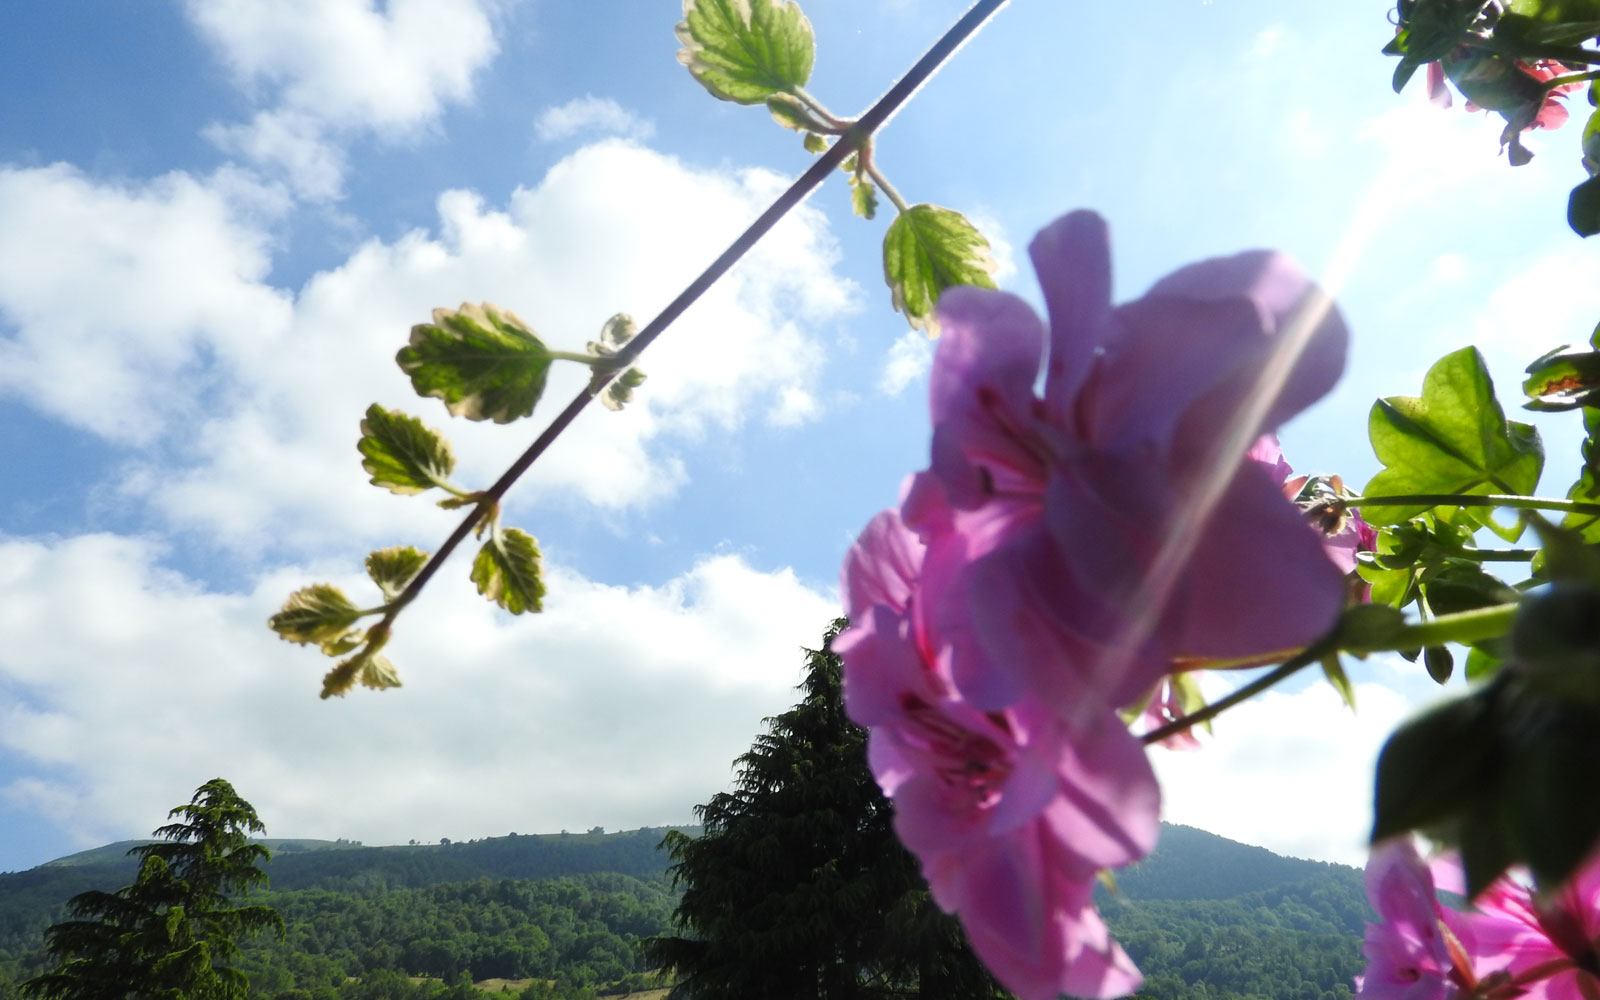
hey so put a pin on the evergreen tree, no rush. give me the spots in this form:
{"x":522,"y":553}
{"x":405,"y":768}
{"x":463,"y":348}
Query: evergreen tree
{"x":169,"y":934}
{"x":798,"y":887}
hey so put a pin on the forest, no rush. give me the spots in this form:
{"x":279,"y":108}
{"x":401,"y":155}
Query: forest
{"x":561,"y":916}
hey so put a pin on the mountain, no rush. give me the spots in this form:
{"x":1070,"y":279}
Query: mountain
{"x":1205,"y":918}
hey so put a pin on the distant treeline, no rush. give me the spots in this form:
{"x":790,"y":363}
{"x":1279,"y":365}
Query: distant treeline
{"x":1205,"y":919}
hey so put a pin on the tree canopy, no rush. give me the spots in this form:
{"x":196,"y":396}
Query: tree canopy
{"x":798,"y":887}
{"x":169,"y":935}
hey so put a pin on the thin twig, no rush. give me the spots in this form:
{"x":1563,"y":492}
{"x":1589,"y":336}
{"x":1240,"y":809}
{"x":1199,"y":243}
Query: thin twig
{"x":852,"y":139}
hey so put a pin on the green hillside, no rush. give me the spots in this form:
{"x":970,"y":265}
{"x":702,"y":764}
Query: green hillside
{"x":561,"y":915}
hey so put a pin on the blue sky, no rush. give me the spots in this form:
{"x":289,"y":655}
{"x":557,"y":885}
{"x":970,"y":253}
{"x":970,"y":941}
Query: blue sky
{"x":219,"y":219}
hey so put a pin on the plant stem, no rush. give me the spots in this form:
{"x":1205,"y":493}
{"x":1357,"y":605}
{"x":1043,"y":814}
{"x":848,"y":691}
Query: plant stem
{"x":1462,"y":627}
{"x":833,"y":121}
{"x":1472,"y":500}
{"x":853,"y":138}
{"x":1573,"y":54}
{"x":883,"y":183}
{"x":1498,"y":555}
{"x":1311,"y":654}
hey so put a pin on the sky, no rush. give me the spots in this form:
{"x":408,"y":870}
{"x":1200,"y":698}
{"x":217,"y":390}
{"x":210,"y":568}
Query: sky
{"x":220,"y":218}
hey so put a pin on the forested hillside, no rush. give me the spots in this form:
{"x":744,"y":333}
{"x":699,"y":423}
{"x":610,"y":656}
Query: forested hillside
{"x":556,"y":915}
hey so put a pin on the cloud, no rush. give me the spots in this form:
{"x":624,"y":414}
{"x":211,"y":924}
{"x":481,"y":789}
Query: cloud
{"x":327,"y":70}
{"x":1291,"y":771}
{"x":112,"y":294}
{"x":622,"y":706}
{"x":590,"y":115}
{"x":909,"y":358}
{"x":144,"y":314}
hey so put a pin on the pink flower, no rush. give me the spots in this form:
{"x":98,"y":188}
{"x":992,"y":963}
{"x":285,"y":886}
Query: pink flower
{"x":1055,"y":560}
{"x":1514,"y":89}
{"x":1414,"y":952}
{"x":1079,"y":543}
{"x":1550,"y":948}
{"x":1010,"y":814}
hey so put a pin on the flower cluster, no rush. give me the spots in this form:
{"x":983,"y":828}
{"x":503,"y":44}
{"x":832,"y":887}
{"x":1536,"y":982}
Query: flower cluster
{"x":1519,"y":91}
{"x":1512,"y":943}
{"x":1056,"y":559}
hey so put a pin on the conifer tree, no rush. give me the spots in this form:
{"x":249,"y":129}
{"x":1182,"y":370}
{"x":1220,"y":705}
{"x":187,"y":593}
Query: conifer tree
{"x":798,"y":888}
{"x":169,"y":935}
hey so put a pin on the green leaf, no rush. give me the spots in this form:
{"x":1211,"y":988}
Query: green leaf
{"x":619,"y":391}
{"x":1553,"y":825}
{"x":367,"y":667}
{"x":1481,"y":663}
{"x":1333,"y":670}
{"x":1435,"y":766}
{"x":1563,"y":379}
{"x":926,"y":250}
{"x":507,"y":571}
{"x":1583,"y":208}
{"x":484,"y":362}
{"x":1453,"y":439}
{"x":746,"y":50}
{"x":319,"y":613}
{"x":1365,"y":627}
{"x":1440,"y":663}
{"x":863,"y":197}
{"x":402,"y":454}
{"x":814,"y":143}
{"x":392,"y":568}
{"x":791,"y":112}
{"x":614,"y":335}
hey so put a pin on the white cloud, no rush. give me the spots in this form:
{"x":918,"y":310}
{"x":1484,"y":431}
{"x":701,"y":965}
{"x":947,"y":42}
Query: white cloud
{"x":111,"y":294}
{"x":327,"y":70}
{"x":617,"y":706}
{"x":909,"y":358}
{"x":144,"y":315}
{"x":1291,"y":772}
{"x":590,"y":115}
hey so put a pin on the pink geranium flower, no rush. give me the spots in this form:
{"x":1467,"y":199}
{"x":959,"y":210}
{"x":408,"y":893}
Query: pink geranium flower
{"x":1010,"y":814}
{"x":1550,"y":948}
{"x":1055,"y":560}
{"x":1080,"y":542}
{"x":1414,"y":951}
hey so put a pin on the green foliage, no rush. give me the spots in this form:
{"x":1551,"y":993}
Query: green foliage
{"x":392,"y":568}
{"x":746,"y":50}
{"x":319,"y":613}
{"x":369,"y":668}
{"x":402,"y":454}
{"x":485,"y":363}
{"x":171,"y":934}
{"x":927,"y":250}
{"x":798,"y":886}
{"x":1453,"y":439}
{"x":507,"y":570}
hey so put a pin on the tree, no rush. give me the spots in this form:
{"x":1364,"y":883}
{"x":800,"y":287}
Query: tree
{"x":798,"y":887}
{"x":169,"y":935}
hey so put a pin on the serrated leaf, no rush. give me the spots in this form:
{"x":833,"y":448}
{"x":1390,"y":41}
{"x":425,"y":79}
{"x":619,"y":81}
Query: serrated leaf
{"x":484,"y":362}
{"x":507,"y":571}
{"x":927,"y":250}
{"x":401,"y":453}
{"x":614,"y":335}
{"x":863,"y":197}
{"x":792,"y":113}
{"x":392,"y":568}
{"x":319,"y":613}
{"x":368,"y":667}
{"x":619,"y":391}
{"x":746,"y":50}
{"x":1453,"y":439}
